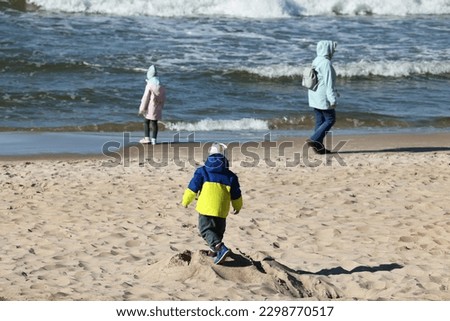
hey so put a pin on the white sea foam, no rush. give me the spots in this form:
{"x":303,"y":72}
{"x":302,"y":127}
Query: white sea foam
{"x":248,"y":8}
{"x":375,"y":7}
{"x":275,"y":71}
{"x":393,"y":68}
{"x":219,"y":125}
{"x":361,"y":68}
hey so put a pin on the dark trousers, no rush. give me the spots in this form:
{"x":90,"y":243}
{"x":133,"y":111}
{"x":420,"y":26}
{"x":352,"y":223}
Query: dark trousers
{"x":211,"y":229}
{"x":150,"y":125}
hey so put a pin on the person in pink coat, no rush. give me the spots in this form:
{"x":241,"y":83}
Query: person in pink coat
{"x":152,"y":104}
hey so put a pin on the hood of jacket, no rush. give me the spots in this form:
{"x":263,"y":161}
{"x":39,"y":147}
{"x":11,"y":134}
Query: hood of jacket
{"x":152,"y":76}
{"x":326,"y":48}
{"x":151,"y":72}
{"x":216,"y":163}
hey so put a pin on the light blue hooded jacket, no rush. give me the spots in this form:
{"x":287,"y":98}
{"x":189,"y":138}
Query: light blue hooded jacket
{"x":324,"y":97}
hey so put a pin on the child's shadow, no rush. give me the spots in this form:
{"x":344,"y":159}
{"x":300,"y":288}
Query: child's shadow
{"x":239,"y":261}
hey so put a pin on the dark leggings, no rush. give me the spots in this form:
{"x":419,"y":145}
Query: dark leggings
{"x":151,"y":125}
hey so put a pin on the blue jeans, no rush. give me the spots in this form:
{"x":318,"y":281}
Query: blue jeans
{"x":325,"y":119}
{"x":212,"y":229}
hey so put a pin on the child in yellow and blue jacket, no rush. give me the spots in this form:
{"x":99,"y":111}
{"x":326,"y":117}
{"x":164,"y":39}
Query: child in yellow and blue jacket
{"x":217,"y":187}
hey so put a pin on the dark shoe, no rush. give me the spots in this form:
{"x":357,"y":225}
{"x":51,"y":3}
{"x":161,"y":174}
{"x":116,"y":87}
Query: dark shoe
{"x":221,"y":254}
{"x":322,"y":151}
{"x":310,"y":143}
{"x":318,"y":147}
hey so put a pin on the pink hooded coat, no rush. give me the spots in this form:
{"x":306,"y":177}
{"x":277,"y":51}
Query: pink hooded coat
{"x":154,"y":97}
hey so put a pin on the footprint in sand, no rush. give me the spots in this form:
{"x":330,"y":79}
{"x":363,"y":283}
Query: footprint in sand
{"x":133,"y":243}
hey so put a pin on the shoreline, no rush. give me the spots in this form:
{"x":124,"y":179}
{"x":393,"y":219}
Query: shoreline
{"x":19,"y":146}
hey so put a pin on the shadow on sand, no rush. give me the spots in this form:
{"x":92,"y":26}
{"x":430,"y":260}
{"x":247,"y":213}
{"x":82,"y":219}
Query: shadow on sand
{"x":238,"y":260}
{"x":398,"y":150}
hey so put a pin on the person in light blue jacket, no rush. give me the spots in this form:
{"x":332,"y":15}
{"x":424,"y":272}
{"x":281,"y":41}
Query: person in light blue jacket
{"x":323,"y":99}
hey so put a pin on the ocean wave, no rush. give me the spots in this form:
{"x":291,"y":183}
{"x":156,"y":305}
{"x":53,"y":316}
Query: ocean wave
{"x":218,"y":125}
{"x":241,"y":8}
{"x":345,"y":121}
{"x":396,"y":69}
{"x":360,"y":69}
{"x":23,"y":64}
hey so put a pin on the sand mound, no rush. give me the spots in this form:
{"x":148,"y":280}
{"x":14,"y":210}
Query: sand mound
{"x":256,"y":276}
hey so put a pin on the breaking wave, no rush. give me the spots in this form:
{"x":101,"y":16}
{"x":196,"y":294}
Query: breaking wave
{"x":239,"y":8}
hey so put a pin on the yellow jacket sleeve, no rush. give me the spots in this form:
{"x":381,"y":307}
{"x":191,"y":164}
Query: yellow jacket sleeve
{"x":237,"y":204}
{"x":188,"y":197}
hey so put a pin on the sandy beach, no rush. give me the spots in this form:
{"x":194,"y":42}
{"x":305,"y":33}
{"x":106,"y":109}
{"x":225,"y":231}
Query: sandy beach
{"x":370,"y":222}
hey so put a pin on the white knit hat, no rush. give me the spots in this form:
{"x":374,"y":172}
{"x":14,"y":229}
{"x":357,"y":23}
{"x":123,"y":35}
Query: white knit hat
{"x":217,"y":148}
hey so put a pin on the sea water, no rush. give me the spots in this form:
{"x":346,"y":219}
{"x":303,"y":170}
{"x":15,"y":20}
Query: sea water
{"x":229,"y":66}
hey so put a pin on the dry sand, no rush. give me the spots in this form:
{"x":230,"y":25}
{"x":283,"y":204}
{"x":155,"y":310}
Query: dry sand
{"x":369,"y":223}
